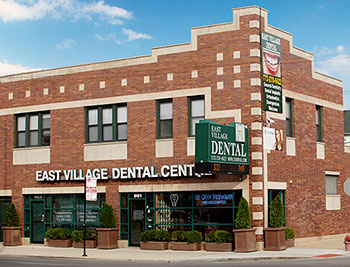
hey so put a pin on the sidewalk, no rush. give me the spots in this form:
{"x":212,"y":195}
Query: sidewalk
{"x":135,"y":254}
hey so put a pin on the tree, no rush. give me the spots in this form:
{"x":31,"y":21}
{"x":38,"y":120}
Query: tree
{"x":11,"y":215}
{"x":276,"y":216}
{"x":107,"y":219}
{"x":242,"y":220}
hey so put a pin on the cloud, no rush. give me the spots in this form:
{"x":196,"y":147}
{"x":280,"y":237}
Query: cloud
{"x":7,"y":68}
{"x":132,"y":35}
{"x":340,"y":48}
{"x":337,"y":64}
{"x":322,"y":51}
{"x":20,"y":10}
{"x":107,"y":37}
{"x":67,"y":43}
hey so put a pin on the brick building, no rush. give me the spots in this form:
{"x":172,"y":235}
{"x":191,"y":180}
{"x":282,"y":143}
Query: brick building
{"x":130,"y":122}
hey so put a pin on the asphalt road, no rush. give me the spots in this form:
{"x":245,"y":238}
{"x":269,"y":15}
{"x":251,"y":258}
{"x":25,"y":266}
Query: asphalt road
{"x":37,"y":261}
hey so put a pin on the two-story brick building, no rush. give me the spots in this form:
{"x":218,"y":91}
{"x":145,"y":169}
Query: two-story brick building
{"x":131,"y":122}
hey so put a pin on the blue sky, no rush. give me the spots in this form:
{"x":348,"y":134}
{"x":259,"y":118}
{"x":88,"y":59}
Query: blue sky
{"x":40,"y":34}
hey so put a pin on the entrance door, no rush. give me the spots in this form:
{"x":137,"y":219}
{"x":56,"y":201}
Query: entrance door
{"x":137,"y":221}
{"x":3,"y":202}
{"x":38,"y":218}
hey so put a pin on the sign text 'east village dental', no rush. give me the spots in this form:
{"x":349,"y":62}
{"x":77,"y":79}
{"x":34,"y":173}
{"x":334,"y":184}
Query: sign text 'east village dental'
{"x":165,"y":171}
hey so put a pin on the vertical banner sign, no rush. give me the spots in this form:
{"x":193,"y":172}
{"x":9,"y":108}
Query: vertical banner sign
{"x":271,"y":74}
{"x":91,"y":189}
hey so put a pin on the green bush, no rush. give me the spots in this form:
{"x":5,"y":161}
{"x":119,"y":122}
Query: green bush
{"x":242,"y":220}
{"x":155,"y":235}
{"x":58,"y":234}
{"x":290,"y":233}
{"x":189,"y":237}
{"x":219,"y":236}
{"x":276,"y":216}
{"x":78,"y":235}
{"x":107,"y":219}
{"x":11,"y":215}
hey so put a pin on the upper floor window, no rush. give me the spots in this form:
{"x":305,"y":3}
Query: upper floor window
{"x":331,"y":184}
{"x":32,"y":129}
{"x":196,"y":112}
{"x":318,"y":124}
{"x":165,"y":118}
{"x":107,"y":123}
{"x":289,"y":117}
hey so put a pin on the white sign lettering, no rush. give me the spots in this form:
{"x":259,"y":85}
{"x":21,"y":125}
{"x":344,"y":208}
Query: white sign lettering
{"x":165,"y":171}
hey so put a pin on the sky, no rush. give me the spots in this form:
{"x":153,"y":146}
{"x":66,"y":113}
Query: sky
{"x":44,"y":34}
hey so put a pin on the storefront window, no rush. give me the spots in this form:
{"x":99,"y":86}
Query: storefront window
{"x":203,"y":211}
{"x":51,"y":211}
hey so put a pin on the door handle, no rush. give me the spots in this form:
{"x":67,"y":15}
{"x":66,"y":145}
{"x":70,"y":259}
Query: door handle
{"x":42,"y":218}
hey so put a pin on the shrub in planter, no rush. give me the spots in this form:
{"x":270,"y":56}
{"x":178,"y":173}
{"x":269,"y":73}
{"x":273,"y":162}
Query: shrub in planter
{"x":107,"y":233}
{"x":290,"y":236}
{"x":219,"y":240}
{"x":245,"y":239}
{"x":59,"y":237}
{"x":154,"y":239}
{"x":186,"y":240}
{"x":275,"y":237}
{"x":12,"y":232}
{"x":90,"y":237}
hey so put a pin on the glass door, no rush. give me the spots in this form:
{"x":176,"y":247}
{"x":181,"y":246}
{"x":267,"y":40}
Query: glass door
{"x":38,"y":218}
{"x":137,"y":220}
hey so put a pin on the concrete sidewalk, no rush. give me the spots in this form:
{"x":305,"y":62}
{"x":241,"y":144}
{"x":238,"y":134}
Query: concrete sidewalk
{"x":135,"y":254}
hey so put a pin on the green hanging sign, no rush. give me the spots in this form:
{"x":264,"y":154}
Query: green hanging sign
{"x":221,"y":148}
{"x":271,"y":72}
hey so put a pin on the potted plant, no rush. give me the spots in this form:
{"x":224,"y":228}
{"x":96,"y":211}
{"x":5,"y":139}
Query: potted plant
{"x":275,"y":237}
{"x":290,"y":236}
{"x":347,"y":243}
{"x":12,"y":232}
{"x":59,"y":237}
{"x":107,"y":233}
{"x":245,"y":239}
{"x":90,"y":238}
{"x":154,"y":240}
{"x":184,"y":240}
{"x":218,"y":240}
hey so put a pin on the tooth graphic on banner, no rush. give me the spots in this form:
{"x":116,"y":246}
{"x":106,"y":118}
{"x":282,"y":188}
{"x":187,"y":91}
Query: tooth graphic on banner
{"x":174,"y":198}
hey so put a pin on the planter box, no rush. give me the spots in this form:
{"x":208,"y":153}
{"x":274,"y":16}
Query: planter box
{"x":275,"y":239}
{"x":12,"y":236}
{"x":290,"y":243}
{"x":245,"y":240}
{"x":60,"y":243}
{"x":89,"y":244}
{"x":185,"y":246}
{"x":154,"y":245}
{"x":107,"y":238}
{"x":222,"y":247}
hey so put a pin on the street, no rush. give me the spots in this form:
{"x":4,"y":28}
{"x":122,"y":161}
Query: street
{"x":38,"y":261}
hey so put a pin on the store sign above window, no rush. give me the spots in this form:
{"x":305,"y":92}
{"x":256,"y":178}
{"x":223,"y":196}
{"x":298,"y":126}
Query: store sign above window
{"x":221,"y":148}
{"x":166,"y":171}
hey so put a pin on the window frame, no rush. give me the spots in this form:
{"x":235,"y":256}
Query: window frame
{"x":189,"y":108}
{"x":319,"y":137}
{"x":159,"y":121}
{"x":28,"y":130}
{"x":336,"y":185}
{"x":100,"y":124}
{"x":289,"y":121}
